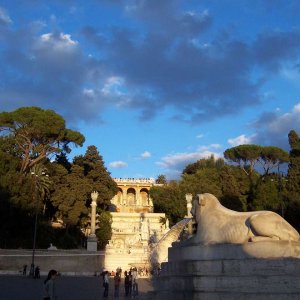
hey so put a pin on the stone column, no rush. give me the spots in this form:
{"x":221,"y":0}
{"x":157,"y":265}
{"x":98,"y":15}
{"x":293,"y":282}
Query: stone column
{"x":138,"y":196}
{"x":92,"y":239}
{"x":94,"y":196}
{"x":124,"y":191}
{"x":189,"y":199}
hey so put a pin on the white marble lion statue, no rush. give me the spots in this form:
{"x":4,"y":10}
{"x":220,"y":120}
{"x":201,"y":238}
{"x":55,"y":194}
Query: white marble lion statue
{"x":216,"y":224}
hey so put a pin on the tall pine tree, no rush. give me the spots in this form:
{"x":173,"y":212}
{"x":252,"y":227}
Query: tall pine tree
{"x":293,"y":183}
{"x":98,"y":177}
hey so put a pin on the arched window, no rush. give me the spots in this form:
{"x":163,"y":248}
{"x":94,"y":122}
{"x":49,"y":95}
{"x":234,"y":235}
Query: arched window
{"x":131,"y":196}
{"x":145,"y":197}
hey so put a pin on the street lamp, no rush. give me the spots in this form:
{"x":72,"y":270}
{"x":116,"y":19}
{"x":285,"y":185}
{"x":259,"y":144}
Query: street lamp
{"x":36,"y":198}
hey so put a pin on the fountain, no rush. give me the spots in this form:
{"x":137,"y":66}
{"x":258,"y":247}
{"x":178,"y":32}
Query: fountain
{"x":233,"y":255}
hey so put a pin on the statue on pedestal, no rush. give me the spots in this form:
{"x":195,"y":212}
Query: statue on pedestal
{"x":216,"y":224}
{"x":144,"y":229}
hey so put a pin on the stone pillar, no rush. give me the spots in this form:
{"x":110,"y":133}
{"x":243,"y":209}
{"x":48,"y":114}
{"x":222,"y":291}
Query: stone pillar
{"x":92,"y":239}
{"x":124,"y":196}
{"x":138,"y":196}
{"x":94,"y":196}
{"x":189,"y":199}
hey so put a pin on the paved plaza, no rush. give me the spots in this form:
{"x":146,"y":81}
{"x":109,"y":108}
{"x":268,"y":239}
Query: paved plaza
{"x":68,"y":288}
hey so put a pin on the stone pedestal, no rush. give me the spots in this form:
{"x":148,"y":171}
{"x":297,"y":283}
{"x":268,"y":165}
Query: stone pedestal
{"x":262,"y":270}
{"x":92,"y":243}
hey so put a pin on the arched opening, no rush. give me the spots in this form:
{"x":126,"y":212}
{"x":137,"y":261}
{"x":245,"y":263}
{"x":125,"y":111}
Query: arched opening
{"x":131,"y":196}
{"x":145,"y":197}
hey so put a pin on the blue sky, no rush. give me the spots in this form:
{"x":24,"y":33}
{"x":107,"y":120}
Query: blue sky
{"x":156,"y":84}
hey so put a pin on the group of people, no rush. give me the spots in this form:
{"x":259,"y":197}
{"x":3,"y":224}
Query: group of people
{"x":35,"y":272}
{"x":130,"y":282}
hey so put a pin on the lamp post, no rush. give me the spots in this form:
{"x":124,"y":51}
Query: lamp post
{"x":36,"y":199}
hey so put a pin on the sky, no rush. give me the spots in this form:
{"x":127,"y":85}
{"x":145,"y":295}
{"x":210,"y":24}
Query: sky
{"x":156,"y":84}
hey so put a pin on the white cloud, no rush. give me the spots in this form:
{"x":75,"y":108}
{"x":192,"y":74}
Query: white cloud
{"x":211,"y":146}
{"x":200,"y":136}
{"x":113,"y":85}
{"x":4,"y":17}
{"x":287,"y":120}
{"x":118,"y":164}
{"x":273,"y":128}
{"x":145,"y":155}
{"x":183,"y":159}
{"x":240,"y":140}
{"x":174,"y":164}
{"x":58,"y":42}
{"x":89,"y":93}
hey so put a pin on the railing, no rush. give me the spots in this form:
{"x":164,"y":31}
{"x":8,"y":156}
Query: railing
{"x":135,"y":180}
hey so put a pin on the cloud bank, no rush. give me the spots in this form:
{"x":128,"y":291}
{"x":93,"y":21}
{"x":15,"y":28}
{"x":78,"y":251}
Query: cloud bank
{"x":170,"y":58}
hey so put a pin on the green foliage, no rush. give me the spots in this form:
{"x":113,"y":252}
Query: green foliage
{"x":249,"y":156}
{"x":246,"y":156}
{"x":206,"y":180}
{"x":235,"y":186}
{"x":12,"y":235}
{"x":267,"y":195}
{"x":37,"y":133}
{"x":169,"y":199}
{"x":293,"y":181}
{"x":29,"y":135}
{"x":204,"y":163}
{"x":41,"y":181}
{"x":62,"y":238}
{"x":272,"y":157}
{"x":104,"y":231}
{"x":294,"y":166}
{"x":97,"y":176}
{"x":70,"y":195}
{"x":161,"y":179}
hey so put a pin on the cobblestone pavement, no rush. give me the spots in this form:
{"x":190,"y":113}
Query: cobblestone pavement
{"x":68,"y":288}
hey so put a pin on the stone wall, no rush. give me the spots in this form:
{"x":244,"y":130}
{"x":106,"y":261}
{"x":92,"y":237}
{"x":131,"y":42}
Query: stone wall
{"x":228,"y":271}
{"x":67,"y":262}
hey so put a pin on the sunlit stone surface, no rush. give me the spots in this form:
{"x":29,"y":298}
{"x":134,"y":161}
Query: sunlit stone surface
{"x":135,"y":228}
{"x":216,"y":264}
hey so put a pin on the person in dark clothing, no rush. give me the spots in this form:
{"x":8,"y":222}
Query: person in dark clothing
{"x":37,"y":272}
{"x":105,"y":283}
{"x":24,"y":270}
{"x":126,"y":283}
{"x":117,"y":280}
{"x":130,"y":283}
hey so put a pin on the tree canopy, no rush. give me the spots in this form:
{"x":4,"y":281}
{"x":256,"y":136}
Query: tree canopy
{"x":250,"y":156}
{"x":37,"y":133}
